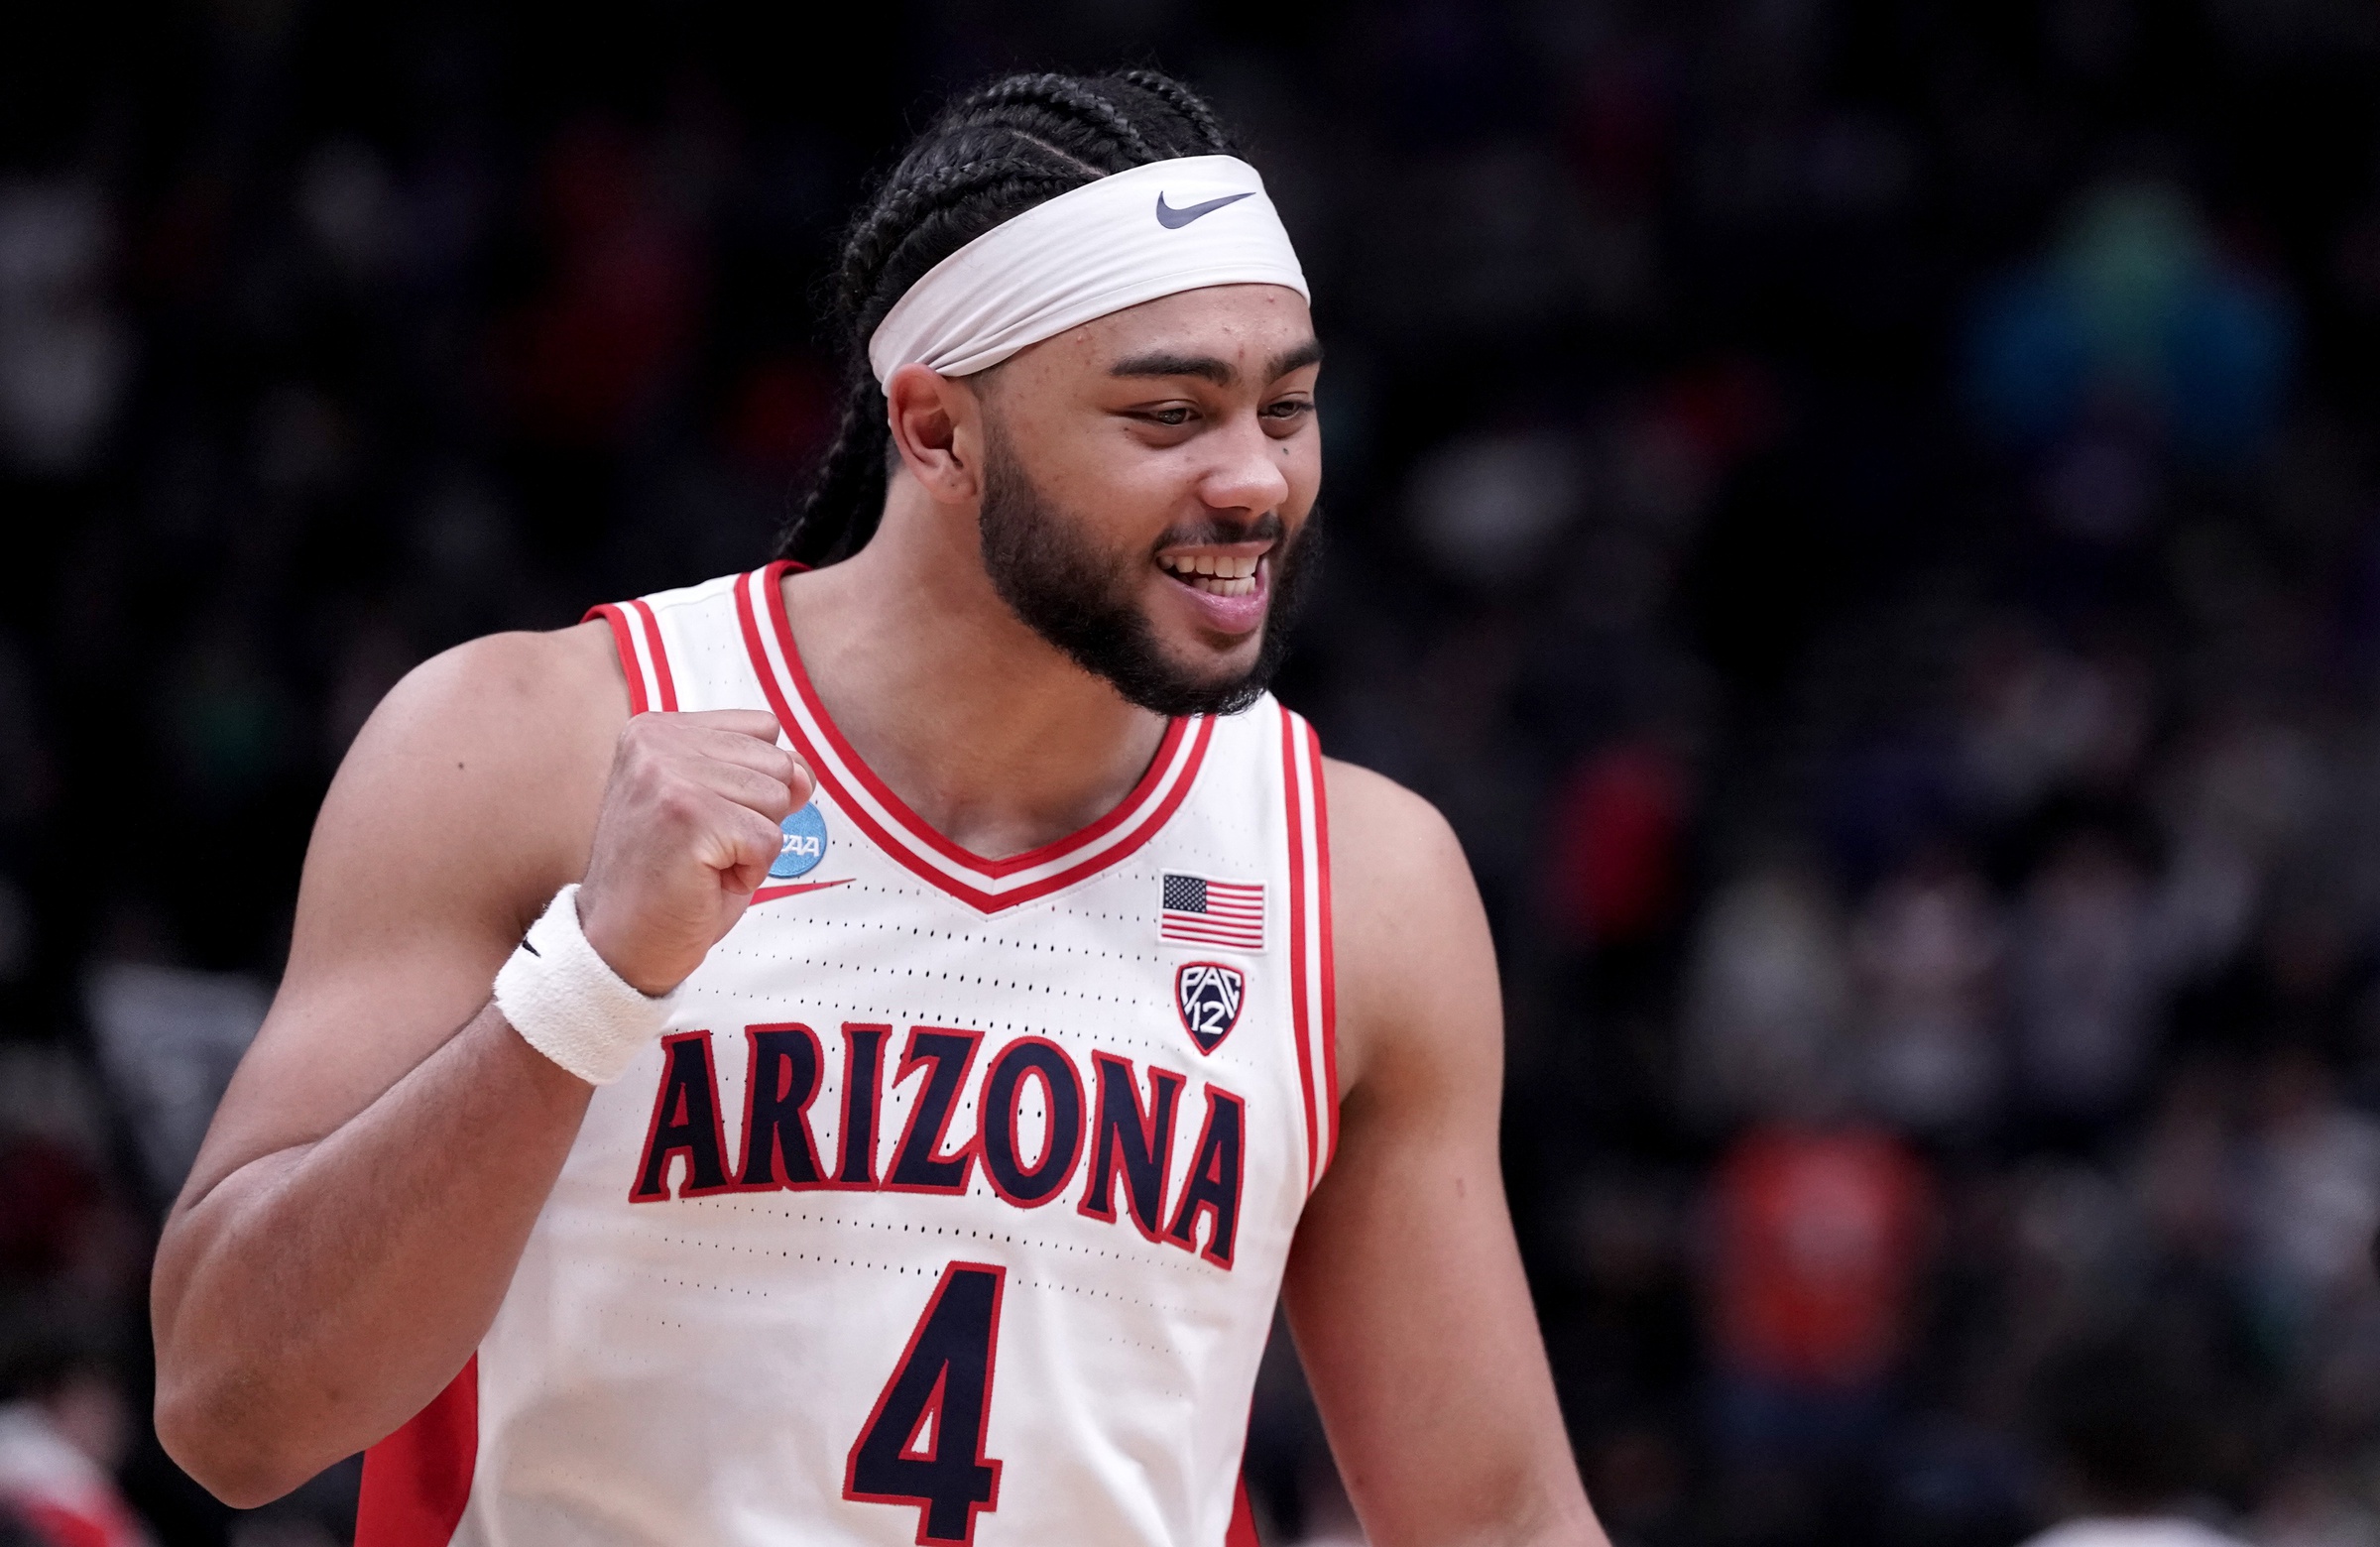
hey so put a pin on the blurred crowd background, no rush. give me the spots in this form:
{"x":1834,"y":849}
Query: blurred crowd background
{"x":1864,"y":514}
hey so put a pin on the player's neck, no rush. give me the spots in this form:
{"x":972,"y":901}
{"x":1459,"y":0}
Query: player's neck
{"x":992,"y":736}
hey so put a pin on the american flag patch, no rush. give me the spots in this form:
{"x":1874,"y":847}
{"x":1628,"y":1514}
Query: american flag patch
{"x":1199,"y":911}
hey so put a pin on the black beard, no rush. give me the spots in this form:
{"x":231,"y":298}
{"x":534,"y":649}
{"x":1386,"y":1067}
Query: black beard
{"x":1081,"y":599}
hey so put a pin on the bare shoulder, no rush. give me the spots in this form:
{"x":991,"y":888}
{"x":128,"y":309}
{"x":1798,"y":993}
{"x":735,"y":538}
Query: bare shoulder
{"x":477,"y":778}
{"x":468,"y":797}
{"x":1407,"y":930}
{"x":1384,"y":831}
{"x":505,"y":694}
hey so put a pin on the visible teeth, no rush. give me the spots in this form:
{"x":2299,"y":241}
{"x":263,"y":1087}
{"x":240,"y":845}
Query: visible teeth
{"x":1217,"y":574}
{"x":1222,"y":565}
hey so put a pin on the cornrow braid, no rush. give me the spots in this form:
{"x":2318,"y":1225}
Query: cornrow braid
{"x":986,"y":159}
{"x":893,"y":218}
{"x":1064,"y":94}
{"x":1184,"y":101}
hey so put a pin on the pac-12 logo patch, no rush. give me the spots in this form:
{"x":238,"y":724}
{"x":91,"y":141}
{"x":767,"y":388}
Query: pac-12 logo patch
{"x":1209,"y":996}
{"x":804,"y":843}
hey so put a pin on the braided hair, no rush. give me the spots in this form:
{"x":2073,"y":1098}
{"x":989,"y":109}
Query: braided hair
{"x":989,"y":156}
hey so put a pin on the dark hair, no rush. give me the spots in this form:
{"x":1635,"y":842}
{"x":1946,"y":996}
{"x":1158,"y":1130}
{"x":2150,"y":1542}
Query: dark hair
{"x":989,"y":156}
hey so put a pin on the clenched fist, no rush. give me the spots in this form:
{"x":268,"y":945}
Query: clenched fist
{"x":687,"y":831}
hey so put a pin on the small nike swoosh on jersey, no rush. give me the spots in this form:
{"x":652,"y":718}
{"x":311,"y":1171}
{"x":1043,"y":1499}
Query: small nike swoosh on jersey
{"x":1173,"y":219}
{"x":771,"y":893}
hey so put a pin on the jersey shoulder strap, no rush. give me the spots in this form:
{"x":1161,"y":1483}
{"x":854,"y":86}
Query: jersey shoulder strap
{"x":671,"y":643}
{"x":637,"y":634}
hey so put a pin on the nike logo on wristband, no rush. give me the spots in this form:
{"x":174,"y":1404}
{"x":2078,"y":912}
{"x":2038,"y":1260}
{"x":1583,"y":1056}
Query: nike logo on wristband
{"x":1173,"y":219}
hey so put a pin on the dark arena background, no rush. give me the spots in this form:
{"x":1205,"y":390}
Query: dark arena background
{"x":1865,"y":516}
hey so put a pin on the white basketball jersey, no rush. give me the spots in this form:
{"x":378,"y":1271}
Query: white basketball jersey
{"x":953,"y":1204}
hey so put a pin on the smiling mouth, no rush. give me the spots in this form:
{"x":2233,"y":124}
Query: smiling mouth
{"x":1217,"y":574}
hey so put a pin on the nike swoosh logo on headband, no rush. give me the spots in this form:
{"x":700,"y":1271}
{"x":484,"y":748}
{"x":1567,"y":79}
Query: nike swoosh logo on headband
{"x":1173,"y":219}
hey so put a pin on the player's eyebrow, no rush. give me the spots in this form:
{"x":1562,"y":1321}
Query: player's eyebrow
{"x":1213,"y":368}
{"x":1166,"y":363}
{"x":1296,"y":358}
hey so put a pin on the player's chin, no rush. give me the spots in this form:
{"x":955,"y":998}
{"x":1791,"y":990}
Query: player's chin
{"x":1215,"y":676}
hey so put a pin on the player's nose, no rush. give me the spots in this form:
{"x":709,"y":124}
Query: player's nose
{"x":1248,"y":472}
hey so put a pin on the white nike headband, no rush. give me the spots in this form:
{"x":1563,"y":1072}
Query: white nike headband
{"x":1134,"y":236}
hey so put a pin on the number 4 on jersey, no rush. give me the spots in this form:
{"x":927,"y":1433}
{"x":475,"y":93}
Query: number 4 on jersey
{"x":924,"y":1443}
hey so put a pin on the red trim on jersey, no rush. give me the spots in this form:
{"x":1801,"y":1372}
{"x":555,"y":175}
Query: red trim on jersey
{"x":1293,"y":807}
{"x":661,"y":656}
{"x":1243,"y":1529}
{"x":908,"y":837}
{"x":1330,"y":977}
{"x":633,"y":622}
{"x":914,"y":826}
{"x":617,"y":616}
{"x":418,"y":1479}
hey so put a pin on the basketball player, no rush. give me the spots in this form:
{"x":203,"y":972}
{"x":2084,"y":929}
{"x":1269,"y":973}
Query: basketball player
{"x":852,"y":1052}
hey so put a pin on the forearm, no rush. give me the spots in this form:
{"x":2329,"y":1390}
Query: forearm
{"x":320,"y":1295}
{"x":1434,"y":1392}
{"x":1414,"y":1322}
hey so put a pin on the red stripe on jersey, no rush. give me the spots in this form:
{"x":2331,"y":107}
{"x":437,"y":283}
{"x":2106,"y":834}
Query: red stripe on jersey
{"x":914,"y":826}
{"x":626,"y":644}
{"x":1330,"y":977}
{"x":1297,"y":939}
{"x":909,"y":832}
{"x":661,"y":655}
{"x":418,"y":1479}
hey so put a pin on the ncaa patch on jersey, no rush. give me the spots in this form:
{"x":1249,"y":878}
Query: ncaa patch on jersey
{"x":1209,"y":996}
{"x":804,"y":843}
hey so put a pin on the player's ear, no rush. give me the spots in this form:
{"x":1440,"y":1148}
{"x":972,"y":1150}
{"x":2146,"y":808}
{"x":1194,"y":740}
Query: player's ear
{"x":933,"y":420}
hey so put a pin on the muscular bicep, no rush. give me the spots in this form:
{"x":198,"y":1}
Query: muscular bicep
{"x":467,"y":799}
{"x":1405,"y":1288}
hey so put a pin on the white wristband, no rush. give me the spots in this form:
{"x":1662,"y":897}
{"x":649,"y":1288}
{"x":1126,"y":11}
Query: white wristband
{"x":567,"y":1002}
